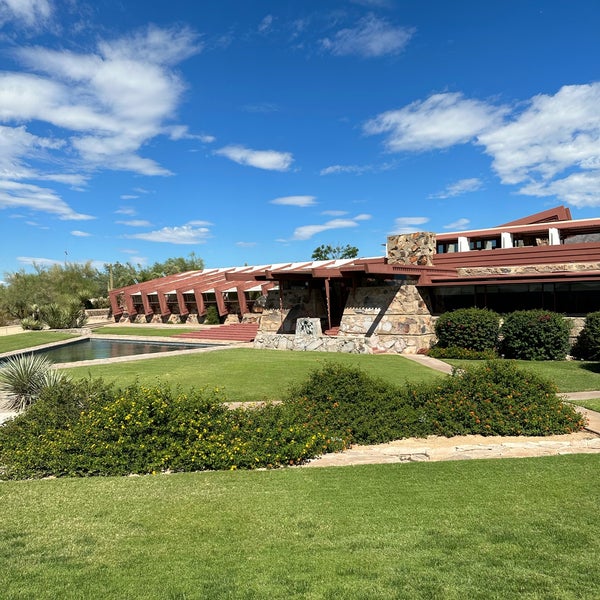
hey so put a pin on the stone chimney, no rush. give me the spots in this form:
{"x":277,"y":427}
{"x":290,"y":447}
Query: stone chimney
{"x":411,"y":248}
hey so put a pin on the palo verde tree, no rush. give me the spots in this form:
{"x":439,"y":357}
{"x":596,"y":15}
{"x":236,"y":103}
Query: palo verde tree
{"x":329,"y":252}
{"x":64,"y":284}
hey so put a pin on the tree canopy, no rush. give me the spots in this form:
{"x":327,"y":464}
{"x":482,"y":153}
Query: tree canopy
{"x":328,"y":252}
{"x":63,"y":284}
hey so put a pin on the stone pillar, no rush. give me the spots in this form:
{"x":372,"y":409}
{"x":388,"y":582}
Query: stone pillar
{"x":411,"y":248}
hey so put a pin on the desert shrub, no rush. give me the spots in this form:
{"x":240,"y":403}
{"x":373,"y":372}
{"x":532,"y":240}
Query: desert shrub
{"x":37,"y":443}
{"x":496,"y":398}
{"x":69,"y":316}
{"x":90,"y":428}
{"x":351,"y":406}
{"x":587,"y":345}
{"x":212,"y":316}
{"x":462,"y":353}
{"x":471,"y":328}
{"x":23,"y":377}
{"x":535,"y":335}
{"x":32,"y":324}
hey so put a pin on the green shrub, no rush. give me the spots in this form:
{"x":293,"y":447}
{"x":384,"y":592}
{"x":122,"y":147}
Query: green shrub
{"x":89,"y":428}
{"x":32,"y":324}
{"x":69,"y":316}
{"x":462,"y":353}
{"x":212,"y":316}
{"x":496,"y":398}
{"x":471,"y":328}
{"x":535,"y":335}
{"x":348,"y":404}
{"x":587,"y":345}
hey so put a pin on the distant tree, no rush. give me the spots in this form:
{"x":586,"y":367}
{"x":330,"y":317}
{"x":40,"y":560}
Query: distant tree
{"x":63,"y":284}
{"x":328,"y":252}
{"x":124,"y":274}
{"x":57,"y":283}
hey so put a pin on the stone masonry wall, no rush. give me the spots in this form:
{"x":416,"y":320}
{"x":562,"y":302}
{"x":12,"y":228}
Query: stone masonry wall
{"x":395,"y":316}
{"x":297,"y":303}
{"x":411,"y":248}
{"x":509,"y":270}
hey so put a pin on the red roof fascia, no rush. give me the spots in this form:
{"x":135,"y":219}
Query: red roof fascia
{"x":558,"y":213}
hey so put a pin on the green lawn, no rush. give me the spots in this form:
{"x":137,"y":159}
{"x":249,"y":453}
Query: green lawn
{"x":569,"y":375}
{"x":591,"y":404}
{"x":247,"y":374}
{"x":142,"y":331}
{"x":18,"y":341}
{"x":487,"y":529}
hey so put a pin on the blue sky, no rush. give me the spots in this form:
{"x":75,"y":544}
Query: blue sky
{"x":252,"y":132}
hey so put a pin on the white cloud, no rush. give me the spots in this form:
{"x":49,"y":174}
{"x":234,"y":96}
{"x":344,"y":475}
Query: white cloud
{"x":135,"y":223}
{"x":337,"y":169}
{"x":261,"y":107}
{"x":441,"y":121}
{"x":78,"y":233}
{"x":110,"y":102}
{"x":553,"y":136}
{"x":372,"y":37}
{"x":305,"y":232}
{"x":577,"y":189}
{"x":14,"y":194}
{"x":42,"y":262}
{"x":549,"y":146}
{"x":181,"y":132}
{"x":266,"y":24}
{"x":458,"y":188}
{"x":301,"y":201}
{"x":358,"y":169}
{"x":335,"y":213}
{"x":126,"y":210}
{"x":31,"y":13}
{"x":186,"y":234}
{"x":246,"y":244}
{"x":271,"y":160}
{"x":101,"y":108}
{"x":199,"y":223}
{"x":458,"y":225}
{"x":407,"y":224}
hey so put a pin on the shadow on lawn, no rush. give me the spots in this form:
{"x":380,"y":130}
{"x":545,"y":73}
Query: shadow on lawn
{"x":593,"y":367}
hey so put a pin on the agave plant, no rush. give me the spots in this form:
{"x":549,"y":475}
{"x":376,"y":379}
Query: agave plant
{"x":23,"y":377}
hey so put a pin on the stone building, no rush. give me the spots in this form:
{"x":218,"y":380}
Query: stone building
{"x":389,"y":304}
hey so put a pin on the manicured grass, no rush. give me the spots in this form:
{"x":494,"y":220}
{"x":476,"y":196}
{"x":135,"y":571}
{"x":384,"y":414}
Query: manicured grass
{"x":142,"y":331}
{"x":247,"y":374}
{"x":489,"y":529}
{"x":569,"y":375}
{"x":591,"y":404}
{"x":18,"y":341}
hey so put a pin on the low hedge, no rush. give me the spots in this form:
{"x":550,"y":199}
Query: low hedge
{"x":90,"y":428}
{"x":470,"y":328}
{"x":496,"y":398}
{"x":587,"y":345}
{"x":535,"y":335}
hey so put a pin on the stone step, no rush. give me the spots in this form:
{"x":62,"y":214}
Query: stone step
{"x":242,"y":332}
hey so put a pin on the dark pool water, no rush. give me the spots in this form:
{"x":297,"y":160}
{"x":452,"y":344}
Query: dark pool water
{"x":95,"y":348}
